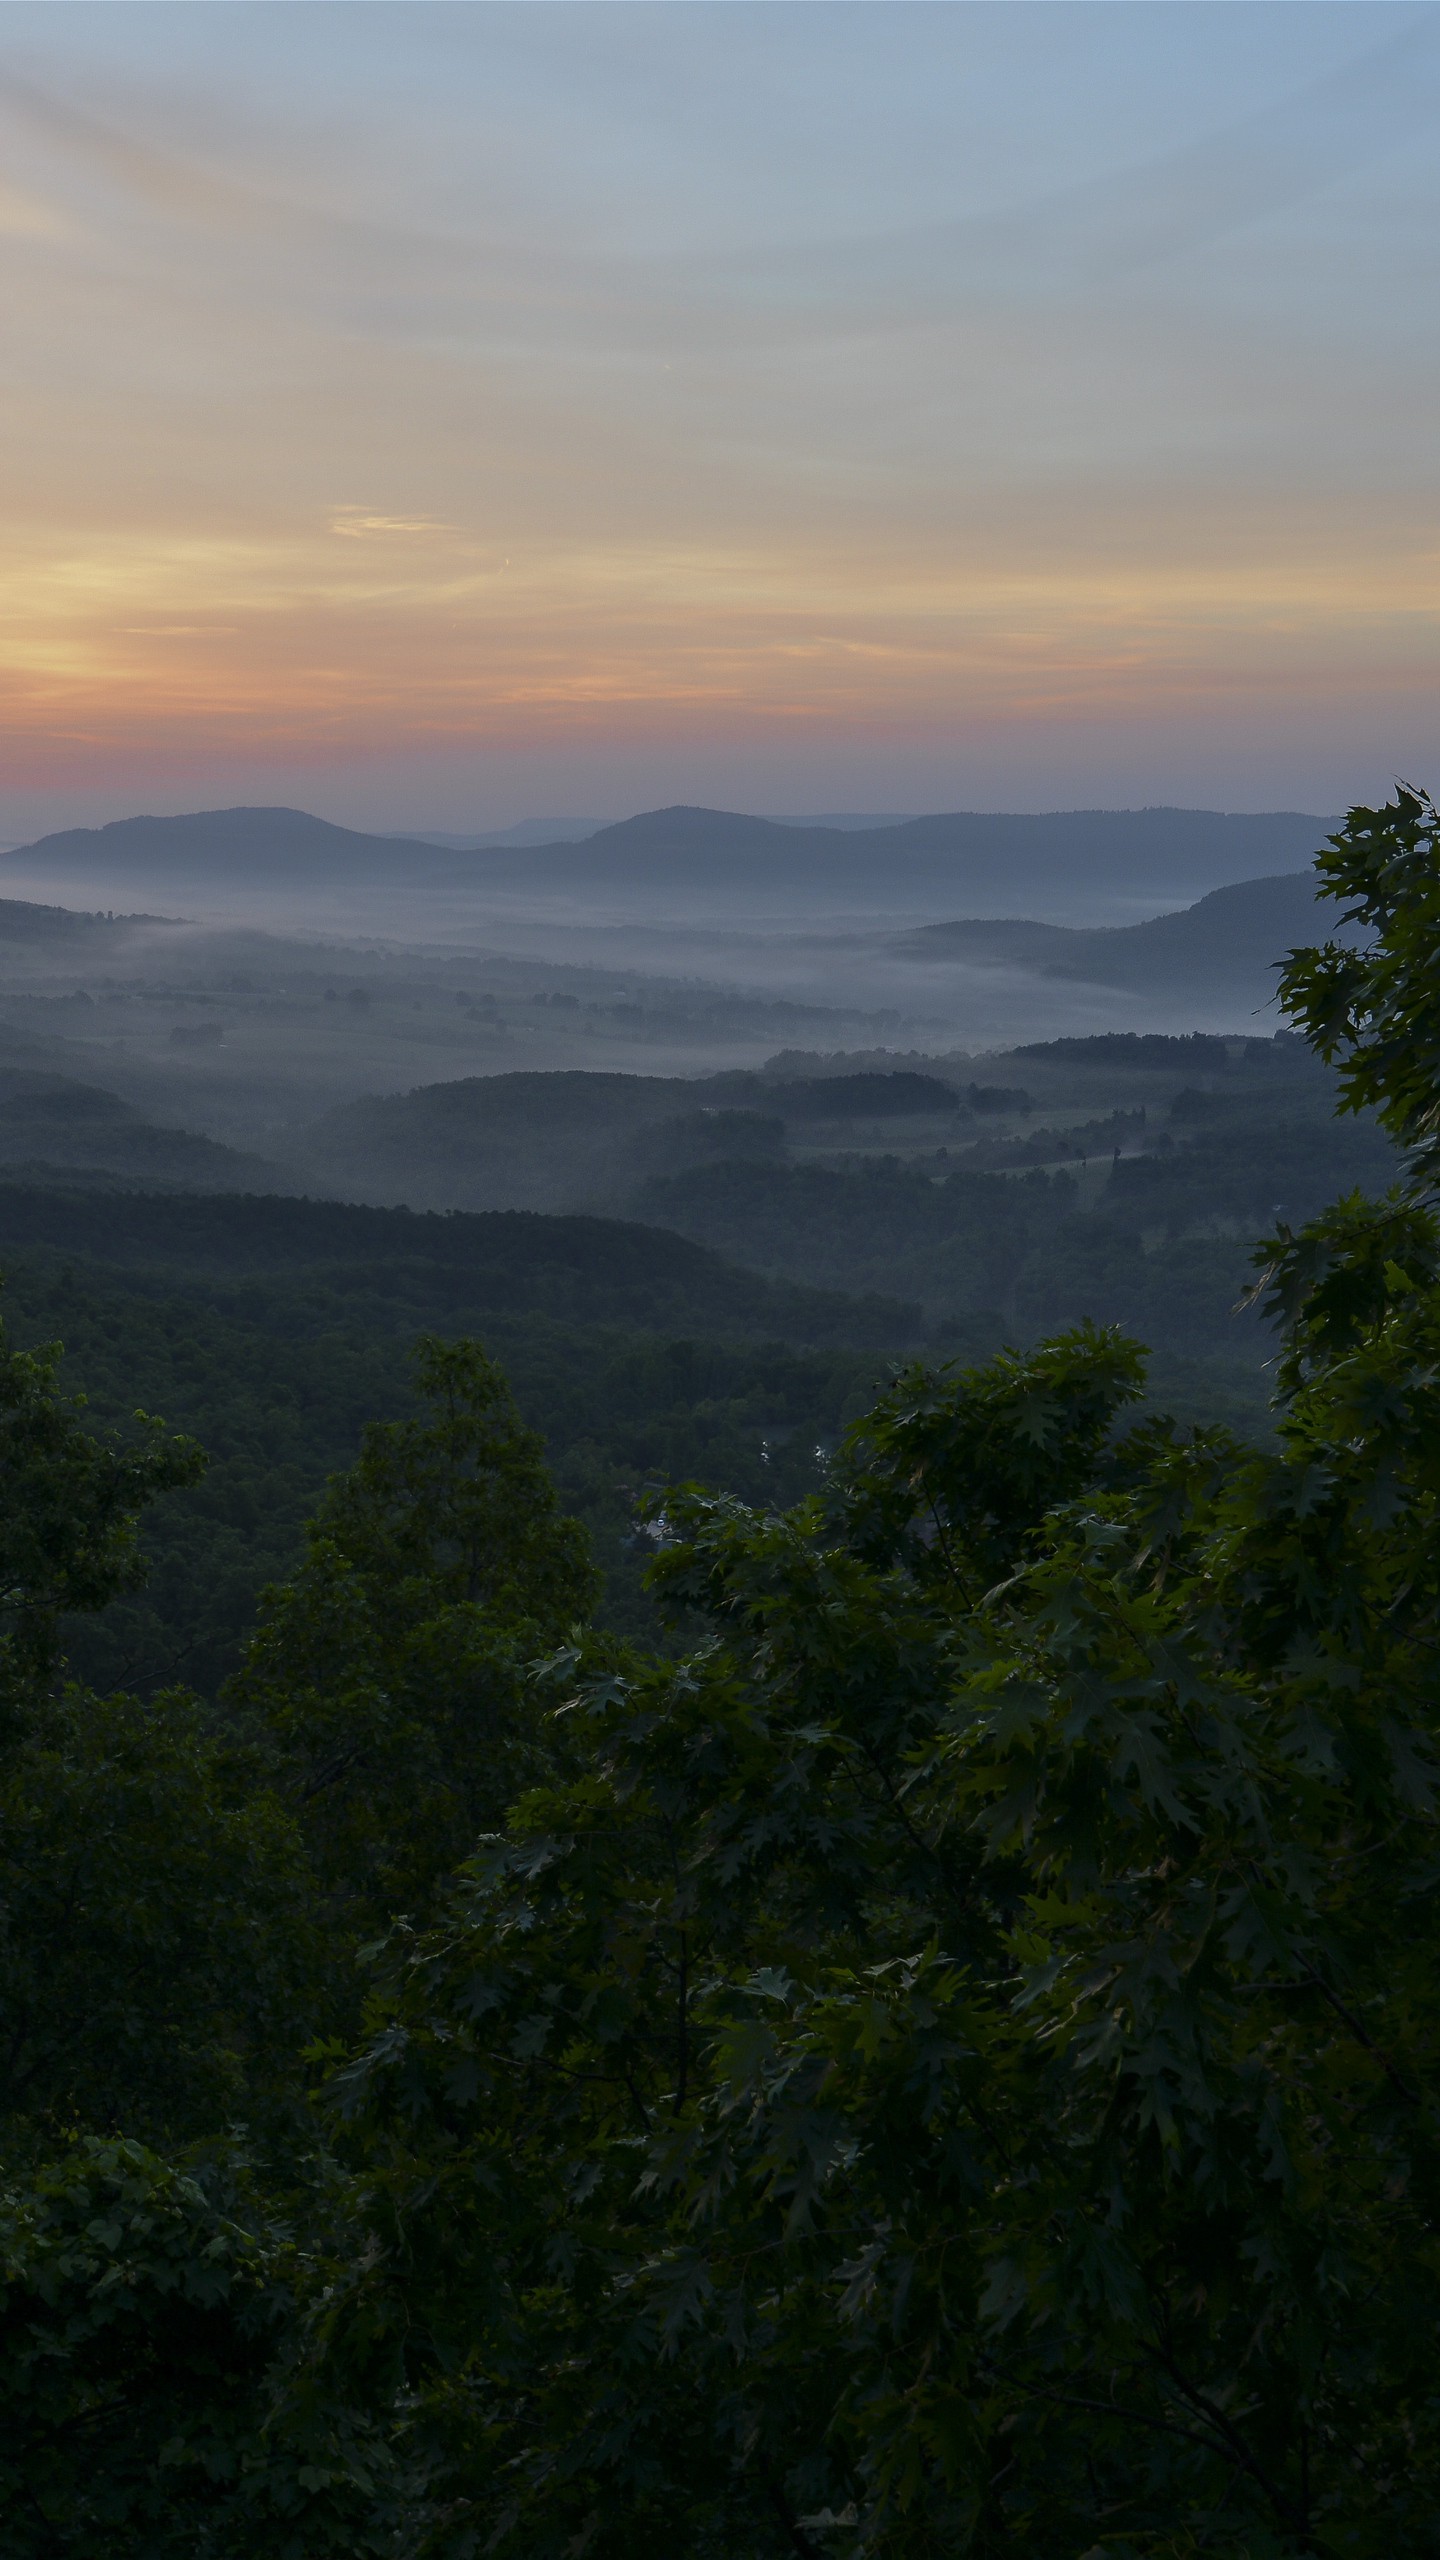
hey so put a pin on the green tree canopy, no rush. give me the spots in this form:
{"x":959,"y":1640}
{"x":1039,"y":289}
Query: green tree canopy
{"x":156,"y":1946}
{"x":1369,"y":1007}
{"x":167,"y":1949}
{"x":144,"y":2320}
{"x":391,"y":1667}
{"x":68,"y":1520}
{"x":956,"y":2067}
{"x":160,"y":1953}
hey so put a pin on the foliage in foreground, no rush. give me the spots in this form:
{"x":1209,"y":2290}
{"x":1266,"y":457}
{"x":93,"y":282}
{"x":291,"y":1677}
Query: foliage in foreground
{"x":951,"y":2065}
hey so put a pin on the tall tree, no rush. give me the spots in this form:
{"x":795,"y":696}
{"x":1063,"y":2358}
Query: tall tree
{"x":68,"y":1521}
{"x":155,"y":1937}
{"x":391,"y":1668}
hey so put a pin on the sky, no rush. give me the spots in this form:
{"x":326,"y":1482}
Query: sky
{"x":440,"y":415}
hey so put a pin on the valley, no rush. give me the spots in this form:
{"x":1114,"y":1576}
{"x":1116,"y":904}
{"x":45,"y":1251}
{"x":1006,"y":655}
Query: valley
{"x":698,"y":1218}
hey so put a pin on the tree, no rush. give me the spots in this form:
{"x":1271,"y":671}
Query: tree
{"x":956,"y":2066}
{"x":159,"y":1954}
{"x":1369,"y":1007}
{"x":162,"y":1955}
{"x":391,"y":1667}
{"x":156,"y":1940}
{"x":950,"y":2065}
{"x":68,"y":1523}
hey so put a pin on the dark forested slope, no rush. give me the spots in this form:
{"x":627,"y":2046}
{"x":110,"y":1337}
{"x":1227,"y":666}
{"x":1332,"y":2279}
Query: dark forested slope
{"x":584,"y":1138}
{"x":274,"y":1328}
{"x":454,"y":1270}
{"x":790,"y":1234}
{"x":56,"y":1127}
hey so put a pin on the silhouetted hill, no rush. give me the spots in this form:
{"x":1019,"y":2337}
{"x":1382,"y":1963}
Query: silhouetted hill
{"x":270,"y":848}
{"x":1058,"y":856}
{"x":54,"y":1127}
{"x":1061,"y":859}
{"x":21,"y":921}
{"x":567,"y":1138}
{"x":1228,"y":944}
{"x":524,"y":1141}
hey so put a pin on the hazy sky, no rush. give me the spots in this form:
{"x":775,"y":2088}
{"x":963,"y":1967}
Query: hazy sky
{"x":435,"y":415}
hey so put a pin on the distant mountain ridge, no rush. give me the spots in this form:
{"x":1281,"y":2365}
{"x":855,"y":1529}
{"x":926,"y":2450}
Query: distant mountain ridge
{"x":1161,"y":855}
{"x":263,"y":845}
{"x":1137,"y":852}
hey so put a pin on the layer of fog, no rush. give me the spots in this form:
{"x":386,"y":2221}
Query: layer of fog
{"x":253,"y":1012}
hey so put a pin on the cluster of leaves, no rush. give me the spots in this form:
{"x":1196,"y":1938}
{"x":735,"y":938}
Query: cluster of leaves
{"x":161,"y":1954}
{"x":1370,"y":1007}
{"x":144,"y":2321}
{"x":953,"y":2063}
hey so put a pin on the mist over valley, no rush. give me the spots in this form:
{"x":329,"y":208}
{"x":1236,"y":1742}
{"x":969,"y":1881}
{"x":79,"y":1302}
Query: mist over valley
{"x":680,"y":941}
{"x":937,"y":1083}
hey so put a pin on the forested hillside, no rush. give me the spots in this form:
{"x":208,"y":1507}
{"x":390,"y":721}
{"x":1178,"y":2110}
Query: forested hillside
{"x":53,"y":1125}
{"x":936,"y":2053}
{"x":275,"y":1329}
{"x":791,"y":1235}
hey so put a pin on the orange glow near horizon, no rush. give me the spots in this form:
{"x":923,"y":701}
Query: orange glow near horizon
{"x":318,"y":462}
{"x":149,"y":652}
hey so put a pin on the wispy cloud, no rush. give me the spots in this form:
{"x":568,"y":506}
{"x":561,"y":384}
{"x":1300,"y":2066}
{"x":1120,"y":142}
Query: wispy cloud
{"x":357,"y":524}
